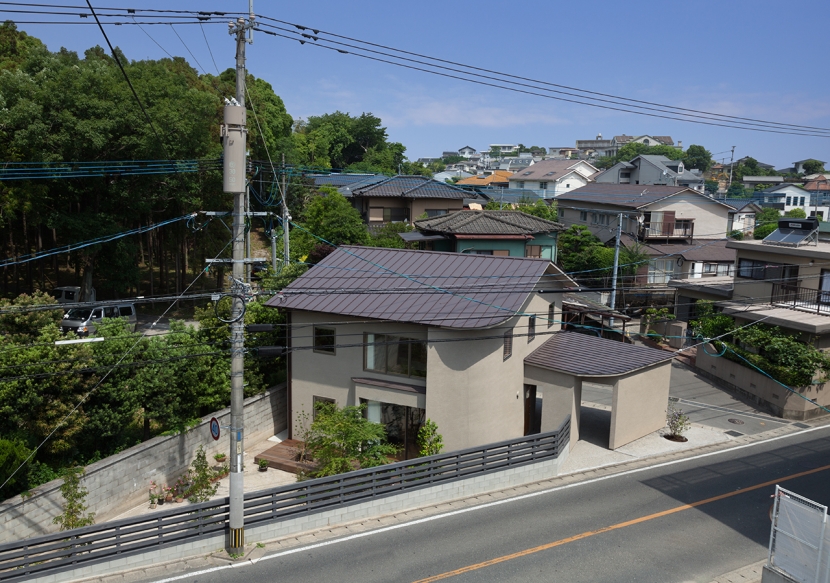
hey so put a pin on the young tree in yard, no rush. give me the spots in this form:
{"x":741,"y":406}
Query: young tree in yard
{"x":766,"y":222}
{"x":430,"y":441}
{"x":74,"y":502}
{"x":332,"y":218}
{"x":341,"y":440}
{"x":797,"y":213}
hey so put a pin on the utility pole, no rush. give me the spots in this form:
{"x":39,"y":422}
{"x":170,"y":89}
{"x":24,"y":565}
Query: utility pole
{"x":731,"y":165}
{"x":286,"y":220}
{"x":235,"y":165}
{"x":616,"y":265}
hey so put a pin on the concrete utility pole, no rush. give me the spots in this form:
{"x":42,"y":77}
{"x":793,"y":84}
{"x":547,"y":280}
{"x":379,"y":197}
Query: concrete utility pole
{"x":613,"y":300}
{"x":286,"y":220}
{"x":235,"y":150}
{"x":731,"y":165}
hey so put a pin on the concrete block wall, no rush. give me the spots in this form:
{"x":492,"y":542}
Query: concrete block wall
{"x":120,"y":482}
{"x":763,"y":390}
{"x":392,"y":504}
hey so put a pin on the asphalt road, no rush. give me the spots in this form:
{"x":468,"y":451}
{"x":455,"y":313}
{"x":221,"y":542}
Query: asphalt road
{"x":629,"y":527}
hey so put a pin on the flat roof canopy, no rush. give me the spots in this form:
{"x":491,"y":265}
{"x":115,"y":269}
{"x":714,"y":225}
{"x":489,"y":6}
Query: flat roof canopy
{"x":590,"y":356}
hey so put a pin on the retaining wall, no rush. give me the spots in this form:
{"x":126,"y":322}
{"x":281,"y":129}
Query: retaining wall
{"x":762,"y":389}
{"x":121,"y":482}
{"x":392,"y":504}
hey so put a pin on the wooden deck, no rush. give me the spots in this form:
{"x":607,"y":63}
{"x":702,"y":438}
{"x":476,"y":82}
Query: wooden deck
{"x":283,"y":456}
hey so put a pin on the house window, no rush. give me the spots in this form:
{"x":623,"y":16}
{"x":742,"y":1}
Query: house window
{"x":543,"y":185}
{"x":802,"y":201}
{"x":583,"y":216}
{"x":402,"y":424}
{"x":315,"y":400}
{"x":531,"y":328}
{"x":508,"y":344}
{"x":789,"y":199}
{"x":397,"y":355}
{"x":395,"y":215}
{"x":551,"y":315}
{"x":375,"y":214}
{"x":534,"y":251}
{"x":710,"y":268}
{"x":436,"y":212}
{"x":521,"y":183}
{"x":751,"y":269}
{"x":660,"y":271}
{"x":568,"y":185}
{"x":324,"y":340}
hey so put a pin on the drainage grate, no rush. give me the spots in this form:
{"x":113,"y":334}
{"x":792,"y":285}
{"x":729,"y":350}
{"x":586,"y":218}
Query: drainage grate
{"x":736,"y":421}
{"x":734,"y":433}
{"x":801,"y":425}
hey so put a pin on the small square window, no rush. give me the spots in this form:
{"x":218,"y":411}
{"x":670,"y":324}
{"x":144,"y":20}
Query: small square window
{"x":324,"y":340}
{"x":543,"y":185}
{"x":583,"y":216}
{"x":508,"y":344}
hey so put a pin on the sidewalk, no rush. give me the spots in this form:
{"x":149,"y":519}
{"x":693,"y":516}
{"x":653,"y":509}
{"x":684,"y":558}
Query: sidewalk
{"x":749,"y":574}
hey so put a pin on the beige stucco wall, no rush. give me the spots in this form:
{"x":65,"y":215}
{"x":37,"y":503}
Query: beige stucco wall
{"x":639,"y":404}
{"x":326,"y":375}
{"x":561,"y":396}
{"x":710,"y":217}
{"x":471,"y":391}
{"x":420,"y":205}
{"x":808,"y":275}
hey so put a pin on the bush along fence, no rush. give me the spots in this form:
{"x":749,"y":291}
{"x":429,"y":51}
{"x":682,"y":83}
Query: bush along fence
{"x":74,"y":549}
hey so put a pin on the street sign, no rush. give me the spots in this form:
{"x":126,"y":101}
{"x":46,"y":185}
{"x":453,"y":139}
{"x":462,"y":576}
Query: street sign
{"x":214,"y":428}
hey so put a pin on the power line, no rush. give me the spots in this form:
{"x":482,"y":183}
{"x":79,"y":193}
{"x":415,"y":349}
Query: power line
{"x":318,"y":31}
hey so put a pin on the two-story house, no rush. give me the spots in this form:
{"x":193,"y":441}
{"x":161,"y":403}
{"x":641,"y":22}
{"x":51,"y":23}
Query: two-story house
{"x":404,"y":198}
{"x":550,"y":178}
{"x":658,"y":214}
{"x":472,"y":342}
{"x":652,"y":169}
{"x":483,"y":232}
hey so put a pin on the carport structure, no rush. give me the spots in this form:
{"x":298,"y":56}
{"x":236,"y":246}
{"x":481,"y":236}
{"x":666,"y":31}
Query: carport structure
{"x":639,"y":376}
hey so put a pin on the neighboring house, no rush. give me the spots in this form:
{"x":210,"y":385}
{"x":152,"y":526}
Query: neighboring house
{"x":467,"y":151}
{"x":753,"y":181}
{"x":404,"y":198}
{"x":502,"y":233}
{"x":596,"y":148}
{"x":703,"y":260}
{"x":471,"y":342}
{"x":799,"y":166}
{"x":783,"y":281}
{"x":652,"y":169}
{"x":618,"y":142}
{"x":504,"y":148}
{"x":744,"y":218}
{"x":787,"y":197}
{"x":341,"y":180}
{"x":746,"y":159}
{"x":563,"y":152}
{"x":652,"y":214}
{"x":450,"y":175}
{"x":819,"y":189}
{"x":551,"y":178}
{"x":428,"y":161}
{"x":497,"y":178}
{"x":515,"y":164}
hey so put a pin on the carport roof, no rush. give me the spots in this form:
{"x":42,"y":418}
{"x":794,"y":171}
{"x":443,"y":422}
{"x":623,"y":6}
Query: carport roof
{"x":590,"y":356}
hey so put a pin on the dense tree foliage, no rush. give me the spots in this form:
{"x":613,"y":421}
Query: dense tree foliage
{"x":766,"y":222}
{"x":698,"y":157}
{"x":813,"y":166}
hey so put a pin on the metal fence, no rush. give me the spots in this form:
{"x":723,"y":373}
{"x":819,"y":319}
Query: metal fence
{"x":110,"y":540}
{"x":799,"y":543}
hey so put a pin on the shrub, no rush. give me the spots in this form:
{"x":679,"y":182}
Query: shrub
{"x":74,"y":502}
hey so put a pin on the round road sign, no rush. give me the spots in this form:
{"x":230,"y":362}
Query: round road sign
{"x":214,"y":428}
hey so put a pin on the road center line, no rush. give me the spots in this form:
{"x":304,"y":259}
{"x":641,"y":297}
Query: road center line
{"x":617,"y":526}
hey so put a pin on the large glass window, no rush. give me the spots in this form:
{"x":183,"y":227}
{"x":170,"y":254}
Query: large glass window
{"x":660,"y":270}
{"x":752,"y":269}
{"x":396,"y":355}
{"x":402,"y":425}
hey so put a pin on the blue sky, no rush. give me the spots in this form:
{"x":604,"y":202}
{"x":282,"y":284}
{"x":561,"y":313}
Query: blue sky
{"x":758,"y":59}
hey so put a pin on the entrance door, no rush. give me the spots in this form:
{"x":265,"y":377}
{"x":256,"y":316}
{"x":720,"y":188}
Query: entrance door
{"x":824,"y":295}
{"x":533,"y":418}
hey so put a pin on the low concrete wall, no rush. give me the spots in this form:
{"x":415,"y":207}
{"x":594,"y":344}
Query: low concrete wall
{"x":428,"y":496}
{"x":763,"y":390}
{"x":120,"y":482}
{"x":769,"y":575}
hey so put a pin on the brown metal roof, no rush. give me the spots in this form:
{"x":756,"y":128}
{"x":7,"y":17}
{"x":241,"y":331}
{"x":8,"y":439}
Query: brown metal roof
{"x":484,"y":222}
{"x":453,"y":290}
{"x":710,"y":251}
{"x":590,"y":356}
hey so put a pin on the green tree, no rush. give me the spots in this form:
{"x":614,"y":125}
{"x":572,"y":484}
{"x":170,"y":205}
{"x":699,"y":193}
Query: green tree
{"x":429,"y":440}
{"x":796,"y":213}
{"x":698,"y":157}
{"x":575,"y":246}
{"x":12,"y":455}
{"x":711,"y":186}
{"x":736,"y":190}
{"x":331,"y":217}
{"x":341,"y":440}
{"x":813,"y":166}
{"x":74,"y":506}
{"x":387,"y":235}
{"x":766,"y":222}
{"x":633,"y":149}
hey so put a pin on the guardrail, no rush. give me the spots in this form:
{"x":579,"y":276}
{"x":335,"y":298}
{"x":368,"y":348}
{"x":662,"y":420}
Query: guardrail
{"x":800,"y":298}
{"x":76,"y":548}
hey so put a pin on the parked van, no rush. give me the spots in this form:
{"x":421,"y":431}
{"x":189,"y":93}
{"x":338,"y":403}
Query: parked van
{"x":69,"y":294}
{"x":82,"y":321}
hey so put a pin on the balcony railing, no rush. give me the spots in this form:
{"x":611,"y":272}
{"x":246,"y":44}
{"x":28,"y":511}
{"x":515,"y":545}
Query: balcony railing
{"x":667,"y":230}
{"x":791,"y":295}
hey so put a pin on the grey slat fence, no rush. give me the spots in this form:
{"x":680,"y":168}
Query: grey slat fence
{"x":75,"y":548}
